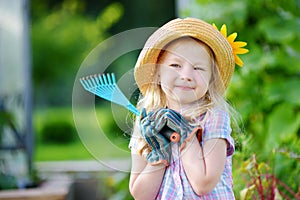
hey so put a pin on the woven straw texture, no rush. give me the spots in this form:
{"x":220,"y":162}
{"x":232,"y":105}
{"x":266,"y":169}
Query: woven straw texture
{"x":145,"y":67}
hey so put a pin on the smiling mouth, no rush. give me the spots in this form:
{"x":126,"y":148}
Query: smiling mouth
{"x":185,"y":88}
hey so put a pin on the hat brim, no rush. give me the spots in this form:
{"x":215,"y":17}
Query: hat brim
{"x":145,"y":67}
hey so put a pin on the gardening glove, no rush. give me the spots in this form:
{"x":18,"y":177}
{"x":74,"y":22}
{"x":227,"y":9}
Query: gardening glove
{"x":177,"y":128}
{"x":159,"y":128}
{"x":185,"y":137}
{"x":150,"y":127}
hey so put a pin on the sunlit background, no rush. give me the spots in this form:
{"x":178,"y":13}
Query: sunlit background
{"x":52,"y":137}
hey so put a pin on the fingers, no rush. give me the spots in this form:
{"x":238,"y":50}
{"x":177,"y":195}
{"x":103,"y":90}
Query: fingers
{"x":143,"y":114}
{"x":177,"y":122}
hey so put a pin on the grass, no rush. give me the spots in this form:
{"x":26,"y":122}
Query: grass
{"x":56,"y":152}
{"x":92,"y":141}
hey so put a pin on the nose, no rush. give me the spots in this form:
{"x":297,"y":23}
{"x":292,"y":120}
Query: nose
{"x":186,"y":73}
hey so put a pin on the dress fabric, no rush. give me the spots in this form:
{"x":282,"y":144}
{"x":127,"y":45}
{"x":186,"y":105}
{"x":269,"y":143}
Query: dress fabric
{"x":175,"y":183}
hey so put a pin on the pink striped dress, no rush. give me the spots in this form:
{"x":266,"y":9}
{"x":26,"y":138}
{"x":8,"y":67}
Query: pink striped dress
{"x":175,"y":183}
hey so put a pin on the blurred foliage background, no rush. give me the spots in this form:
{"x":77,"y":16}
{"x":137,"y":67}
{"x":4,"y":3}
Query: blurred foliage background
{"x":265,"y":91}
{"x":65,"y":31}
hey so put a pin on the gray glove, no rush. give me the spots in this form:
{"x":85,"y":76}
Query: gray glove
{"x":159,"y":128}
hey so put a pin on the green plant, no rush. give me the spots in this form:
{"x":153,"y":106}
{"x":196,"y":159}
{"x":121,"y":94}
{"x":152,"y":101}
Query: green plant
{"x":117,"y":186}
{"x":58,"y":132}
{"x":262,"y":182}
{"x":61,"y":38}
{"x":7,"y":182}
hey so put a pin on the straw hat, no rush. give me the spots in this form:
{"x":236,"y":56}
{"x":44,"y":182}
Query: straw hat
{"x":145,"y":67}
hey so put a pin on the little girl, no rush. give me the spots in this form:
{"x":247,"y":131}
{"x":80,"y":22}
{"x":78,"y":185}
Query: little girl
{"x":181,"y":145}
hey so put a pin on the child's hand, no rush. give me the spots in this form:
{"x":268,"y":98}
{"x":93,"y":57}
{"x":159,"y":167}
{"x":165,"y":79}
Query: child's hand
{"x":169,"y":122}
{"x":165,"y":122}
{"x":150,"y":126}
{"x":158,"y":128}
{"x":178,"y":124}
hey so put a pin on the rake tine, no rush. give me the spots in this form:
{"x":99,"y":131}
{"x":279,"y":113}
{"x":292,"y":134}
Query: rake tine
{"x":93,"y":81}
{"x":113,"y":78}
{"x":104,"y":78}
{"x":100,"y":79}
{"x":111,"y":85}
{"x":82,"y":81}
{"x":105,"y":86}
{"x":96,"y":76}
{"x":89,"y":83}
{"x":109,"y":79}
{"x":96,"y":79}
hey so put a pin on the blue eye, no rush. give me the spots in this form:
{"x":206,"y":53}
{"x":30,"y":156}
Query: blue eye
{"x":175,"y":65}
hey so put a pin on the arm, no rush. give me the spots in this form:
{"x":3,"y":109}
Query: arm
{"x":146,"y":176}
{"x":145,"y":179}
{"x":204,"y":165}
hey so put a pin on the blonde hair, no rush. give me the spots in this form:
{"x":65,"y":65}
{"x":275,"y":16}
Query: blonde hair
{"x":155,"y":98}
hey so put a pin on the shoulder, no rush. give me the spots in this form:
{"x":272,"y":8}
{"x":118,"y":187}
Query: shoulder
{"x":217,"y":126}
{"x":217,"y":119}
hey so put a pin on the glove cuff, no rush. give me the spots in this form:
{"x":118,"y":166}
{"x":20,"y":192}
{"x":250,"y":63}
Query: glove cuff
{"x":165,"y":162}
{"x":156,"y":158}
{"x":198,"y":131}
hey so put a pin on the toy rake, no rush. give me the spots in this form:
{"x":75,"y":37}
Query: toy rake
{"x":105,"y":86}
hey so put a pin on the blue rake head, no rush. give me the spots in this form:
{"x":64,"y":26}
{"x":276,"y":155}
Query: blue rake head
{"x":105,"y":86}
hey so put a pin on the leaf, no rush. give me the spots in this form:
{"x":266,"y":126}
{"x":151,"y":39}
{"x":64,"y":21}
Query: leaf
{"x":287,"y":32}
{"x":291,"y":94}
{"x":263,"y":167}
{"x":247,"y":192}
{"x":280,"y":123}
{"x":282,"y":89}
{"x":246,"y":165}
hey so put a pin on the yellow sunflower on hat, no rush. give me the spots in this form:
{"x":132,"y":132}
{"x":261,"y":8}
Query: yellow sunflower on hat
{"x":235,"y":45}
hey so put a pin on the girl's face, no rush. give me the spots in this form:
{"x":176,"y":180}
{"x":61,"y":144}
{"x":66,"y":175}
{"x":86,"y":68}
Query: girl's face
{"x":185,"y":72}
